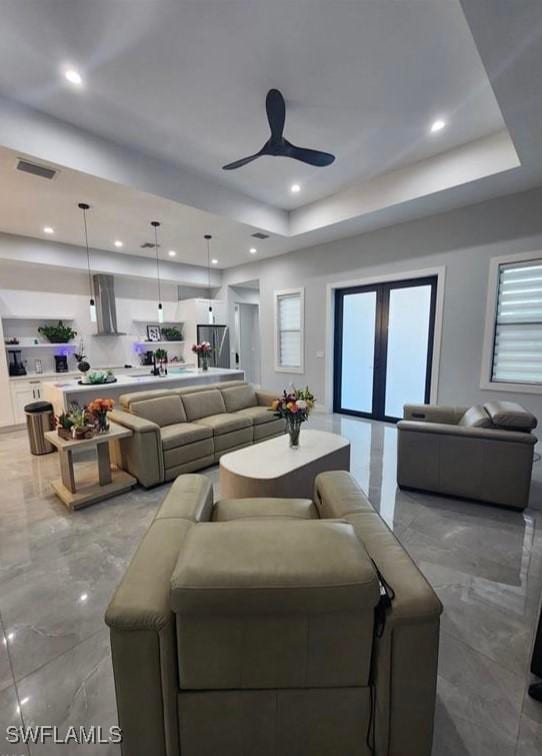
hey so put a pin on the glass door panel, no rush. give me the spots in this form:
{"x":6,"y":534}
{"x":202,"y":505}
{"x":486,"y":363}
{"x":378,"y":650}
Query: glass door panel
{"x":409,"y":316}
{"x":384,"y":347}
{"x":358,"y":347}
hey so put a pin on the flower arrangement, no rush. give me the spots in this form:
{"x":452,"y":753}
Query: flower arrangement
{"x":294,"y":406}
{"x":98,"y":410}
{"x":203,"y":351}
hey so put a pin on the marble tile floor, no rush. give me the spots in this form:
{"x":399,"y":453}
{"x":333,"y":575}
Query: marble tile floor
{"x":58,"y":570}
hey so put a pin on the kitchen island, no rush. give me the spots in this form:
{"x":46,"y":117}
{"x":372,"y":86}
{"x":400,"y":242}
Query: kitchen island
{"x":63,"y":393}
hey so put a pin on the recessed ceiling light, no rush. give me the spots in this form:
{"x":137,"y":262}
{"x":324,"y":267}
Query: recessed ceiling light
{"x":118,"y":243}
{"x":295,"y":188}
{"x":73,"y":76}
{"x":253,"y":250}
{"x":172,"y":253}
{"x":214,"y":261}
{"x":437,"y":125}
{"x":48,"y":230}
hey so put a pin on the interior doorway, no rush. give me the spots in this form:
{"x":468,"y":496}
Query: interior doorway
{"x":383,"y":352}
{"x":246,"y":354}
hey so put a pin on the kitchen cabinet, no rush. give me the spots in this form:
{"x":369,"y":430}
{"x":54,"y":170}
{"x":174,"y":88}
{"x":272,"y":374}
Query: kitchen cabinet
{"x":23,"y":393}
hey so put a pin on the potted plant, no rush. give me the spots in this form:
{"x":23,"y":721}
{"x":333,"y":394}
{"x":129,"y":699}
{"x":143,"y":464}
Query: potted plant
{"x":171,"y":333}
{"x":294,"y":406}
{"x":57,"y":334}
{"x":81,"y":426}
{"x":203,"y":351}
{"x":98,"y":410}
{"x":64,"y":425}
{"x":82,"y":365}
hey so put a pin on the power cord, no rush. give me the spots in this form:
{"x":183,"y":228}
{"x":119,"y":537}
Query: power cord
{"x":387,"y":594}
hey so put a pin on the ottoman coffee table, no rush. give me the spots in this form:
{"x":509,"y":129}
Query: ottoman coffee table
{"x":272,"y":468}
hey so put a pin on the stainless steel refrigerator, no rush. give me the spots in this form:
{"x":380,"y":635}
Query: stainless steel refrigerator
{"x":218,"y":337}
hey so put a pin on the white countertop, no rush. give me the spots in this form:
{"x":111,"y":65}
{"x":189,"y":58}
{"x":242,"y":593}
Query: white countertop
{"x":127,"y":381}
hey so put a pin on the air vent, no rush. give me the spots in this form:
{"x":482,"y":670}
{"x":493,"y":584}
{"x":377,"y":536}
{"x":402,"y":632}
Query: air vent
{"x":259,"y":235}
{"x":36,"y":170}
{"x":148,"y":245}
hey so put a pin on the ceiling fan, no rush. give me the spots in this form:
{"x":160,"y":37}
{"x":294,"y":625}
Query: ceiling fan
{"x":277,"y":145}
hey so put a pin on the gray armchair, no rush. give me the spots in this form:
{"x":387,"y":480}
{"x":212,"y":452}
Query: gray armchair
{"x":483,"y":452}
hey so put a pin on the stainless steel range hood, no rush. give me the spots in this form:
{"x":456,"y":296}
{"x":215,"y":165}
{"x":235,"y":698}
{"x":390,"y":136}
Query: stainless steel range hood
{"x":106,"y":306}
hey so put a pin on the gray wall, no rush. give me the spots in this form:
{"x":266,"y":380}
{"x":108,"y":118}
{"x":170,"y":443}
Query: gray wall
{"x":464,"y":241}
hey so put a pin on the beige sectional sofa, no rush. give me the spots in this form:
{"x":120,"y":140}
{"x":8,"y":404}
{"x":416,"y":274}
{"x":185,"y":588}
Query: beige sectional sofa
{"x":181,"y":430}
{"x":483,"y":452}
{"x":251,"y":626}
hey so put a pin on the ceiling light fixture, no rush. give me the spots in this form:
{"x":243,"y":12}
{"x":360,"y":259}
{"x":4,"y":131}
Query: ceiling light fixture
{"x":118,"y":243}
{"x":208,"y":238}
{"x":253,"y":250}
{"x":48,"y":230}
{"x":295,"y":188}
{"x":92,"y":304}
{"x":214,"y":261}
{"x":155,"y":225}
{"x":172,"y":253}
{"x":73,"y":76}
{"x":437,"y":125}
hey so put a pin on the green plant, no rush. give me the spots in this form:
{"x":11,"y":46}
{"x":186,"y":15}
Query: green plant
{"x":57,"y":334}
{"x":64,"y":420}
{"x":78,"y":416}
{"x":160,"y":354}
{"x":171,"y":334}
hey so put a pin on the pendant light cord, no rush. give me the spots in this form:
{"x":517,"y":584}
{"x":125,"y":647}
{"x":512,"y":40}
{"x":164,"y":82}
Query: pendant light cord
{"x":84,"y":208}
{"x":156,"y":224}
{"x":208,"y":238}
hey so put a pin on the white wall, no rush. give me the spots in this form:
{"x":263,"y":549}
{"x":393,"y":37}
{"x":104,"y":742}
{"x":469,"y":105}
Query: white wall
{"x":464,"y":241}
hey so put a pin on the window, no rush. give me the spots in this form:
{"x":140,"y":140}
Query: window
{"x":515,"y":307}
{"x":289,"y":331}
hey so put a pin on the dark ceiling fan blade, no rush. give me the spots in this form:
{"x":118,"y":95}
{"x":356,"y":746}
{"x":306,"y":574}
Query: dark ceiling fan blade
{"x":313,"y":157}
{"x":276,"y":113}
{"x":243,"y":161}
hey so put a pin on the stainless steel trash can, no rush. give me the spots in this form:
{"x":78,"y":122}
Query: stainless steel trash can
{"x":39,"y":420}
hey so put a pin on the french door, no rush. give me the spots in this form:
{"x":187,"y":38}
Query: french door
{"x":384,"y":347}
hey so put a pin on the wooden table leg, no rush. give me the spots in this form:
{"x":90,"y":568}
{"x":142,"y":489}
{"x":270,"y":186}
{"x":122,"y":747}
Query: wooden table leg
{"x":104,"y":463}
{"x":66,"y":469}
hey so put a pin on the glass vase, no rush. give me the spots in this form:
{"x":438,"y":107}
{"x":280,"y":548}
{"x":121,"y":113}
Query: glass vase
{"x":103,"y":423}
{"x":294,"y":430}
{"x":204,"y":363}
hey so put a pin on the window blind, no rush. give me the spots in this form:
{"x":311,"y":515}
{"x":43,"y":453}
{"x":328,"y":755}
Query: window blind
{"x":517,"y":351}
{"x":289,"y":330}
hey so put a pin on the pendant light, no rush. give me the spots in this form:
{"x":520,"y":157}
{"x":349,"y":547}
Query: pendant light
{"x":155,"y":225}
{"x":92,"y":304}
{"x":208,"y":238}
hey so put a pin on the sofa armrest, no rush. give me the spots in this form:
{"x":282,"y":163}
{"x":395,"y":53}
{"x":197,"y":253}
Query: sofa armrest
{"x":141,"y":454}
{"x":433,"y":413}
{"x":133,"y":422}
{"x":265,"y":397}
{"x":143,"y":643}
{"x":444,"y":429}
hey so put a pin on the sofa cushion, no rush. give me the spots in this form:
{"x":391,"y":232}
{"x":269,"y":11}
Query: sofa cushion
{"x":162,"y":410}
{"x":274,"y":607}
{"x":270,"y":508}
{"x":183,"y":433}
{"x":238,"y":398}
{"x":203,"y":404}
{"x":284,"y":567}
{"x":510,"y":415}
{"x":224,"y":423}
{"x":258,"y":415}
{"x":476,"y":417}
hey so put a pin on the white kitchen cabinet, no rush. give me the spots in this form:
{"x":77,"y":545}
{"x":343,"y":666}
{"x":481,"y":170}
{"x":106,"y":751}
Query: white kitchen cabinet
{"x":23,"y":393}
